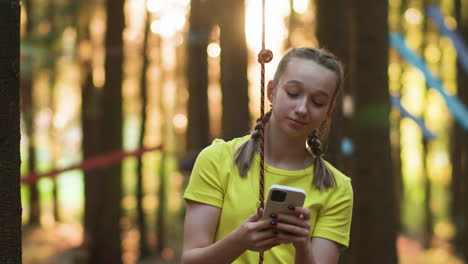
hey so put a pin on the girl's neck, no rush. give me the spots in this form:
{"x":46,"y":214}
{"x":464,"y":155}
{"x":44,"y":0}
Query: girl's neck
{"x":284,"y":152}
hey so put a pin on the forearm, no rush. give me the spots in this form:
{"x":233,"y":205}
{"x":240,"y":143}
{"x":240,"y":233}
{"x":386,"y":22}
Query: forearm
{"x":225,"y":250}
{"x":304,"y":256}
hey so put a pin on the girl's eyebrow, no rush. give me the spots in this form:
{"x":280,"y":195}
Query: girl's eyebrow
{"x":295,"y":82}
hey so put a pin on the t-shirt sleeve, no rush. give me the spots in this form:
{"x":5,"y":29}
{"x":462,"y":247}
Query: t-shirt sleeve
{"x":207,"y":184}
{"x":334,"y":220}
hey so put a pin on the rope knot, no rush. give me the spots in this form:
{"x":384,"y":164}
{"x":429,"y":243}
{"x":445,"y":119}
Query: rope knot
{"x":265,"y":56}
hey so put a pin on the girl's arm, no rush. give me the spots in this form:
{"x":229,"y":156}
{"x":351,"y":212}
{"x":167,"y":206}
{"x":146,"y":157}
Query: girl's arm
{"x":319,"y":251}
{"x":201,"y":221}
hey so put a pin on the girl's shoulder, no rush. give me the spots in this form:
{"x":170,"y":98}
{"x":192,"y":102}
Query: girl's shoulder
{"x":342,"y":180}
{"x":220,"y":148}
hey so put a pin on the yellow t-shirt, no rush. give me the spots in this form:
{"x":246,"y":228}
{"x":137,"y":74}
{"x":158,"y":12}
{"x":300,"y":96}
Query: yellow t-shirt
{"x":215,"y":181}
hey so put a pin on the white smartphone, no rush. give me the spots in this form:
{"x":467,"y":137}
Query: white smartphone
{"x":280,"y":197}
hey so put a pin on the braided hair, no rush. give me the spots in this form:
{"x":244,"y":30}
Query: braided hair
{"x":244,"y":154}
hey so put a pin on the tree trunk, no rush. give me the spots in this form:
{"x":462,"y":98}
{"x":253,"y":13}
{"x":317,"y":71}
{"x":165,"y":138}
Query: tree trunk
{"x":198,"y":135}
{"x":90,"y":124}
{"x":334,"y":37}
{"x":459,"y":148}
{"x":292,"y":23}
{"x":234,"y":84}
{"x":10,"y":201}
{"x":52,"y":71}
{"x":161,"y":192}
{"x":106,"y":237}
{"x":161,"y":215}
{"x":396,"y":131}
{"x":373,"y":182}
{"x":27,"y":105}
{"x":428,"y":218}
{"x":141,"y":220}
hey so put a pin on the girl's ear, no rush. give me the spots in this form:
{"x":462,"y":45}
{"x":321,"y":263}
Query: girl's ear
{"x":270,"y":91}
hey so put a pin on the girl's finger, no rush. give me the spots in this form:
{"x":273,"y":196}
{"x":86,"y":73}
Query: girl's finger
{"x":264,"y":235}
{"x":294,"y":220}
{"x":298,"y":211}
{"x":286,"y":238}
{"x":264,"y":224}
{"x":267,"y":244}
{"x":292,"y":229}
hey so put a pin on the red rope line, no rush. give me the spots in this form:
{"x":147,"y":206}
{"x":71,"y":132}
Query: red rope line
{"x":264,"y":56}
{"x":98,"y":162}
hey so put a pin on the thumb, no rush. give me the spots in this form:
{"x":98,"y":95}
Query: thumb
{"x":257,"y":216}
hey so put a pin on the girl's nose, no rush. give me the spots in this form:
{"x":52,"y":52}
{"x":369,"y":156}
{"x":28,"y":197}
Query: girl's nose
{"x":301,"y":107}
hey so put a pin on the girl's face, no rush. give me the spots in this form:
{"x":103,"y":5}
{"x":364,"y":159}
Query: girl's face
{"x":302,"y":99}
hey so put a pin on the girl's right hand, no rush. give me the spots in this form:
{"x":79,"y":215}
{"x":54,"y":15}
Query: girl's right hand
{"x":256,"y":234}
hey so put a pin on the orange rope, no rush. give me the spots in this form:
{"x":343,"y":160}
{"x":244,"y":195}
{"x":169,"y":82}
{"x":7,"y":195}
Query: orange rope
{"x":264,"y":56}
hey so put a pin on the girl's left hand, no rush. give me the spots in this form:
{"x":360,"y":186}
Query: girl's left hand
{"x":293,"y":229}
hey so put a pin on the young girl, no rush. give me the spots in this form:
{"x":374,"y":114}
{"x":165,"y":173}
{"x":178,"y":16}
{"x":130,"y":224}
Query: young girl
{"x":222,"y":223}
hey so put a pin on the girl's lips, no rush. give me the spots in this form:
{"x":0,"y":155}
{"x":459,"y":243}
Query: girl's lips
{"x":296,"y":123}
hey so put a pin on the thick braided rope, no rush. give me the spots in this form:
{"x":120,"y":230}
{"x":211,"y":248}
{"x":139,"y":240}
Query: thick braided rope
{"x":264,"y":56}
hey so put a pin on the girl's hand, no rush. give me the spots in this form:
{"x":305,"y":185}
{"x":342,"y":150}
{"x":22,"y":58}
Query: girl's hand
{"x":295,"y":228}
{"x":256,"y":234}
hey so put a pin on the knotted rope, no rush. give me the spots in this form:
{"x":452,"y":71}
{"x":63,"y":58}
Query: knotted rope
{"x":264,"y":56}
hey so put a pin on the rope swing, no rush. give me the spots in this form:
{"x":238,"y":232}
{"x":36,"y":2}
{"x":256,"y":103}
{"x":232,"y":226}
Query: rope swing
{"x":264,"y":56}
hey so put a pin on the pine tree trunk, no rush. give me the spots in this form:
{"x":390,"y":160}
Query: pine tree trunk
{"x":27,"y":105}
{"x":161,"y":214}
{"x":428,"y":218}
{"x":198,"y":135}
{"x":10,"y":201}
{"x":373,"y":179}
{"x":141,"y":220}
{"x":90,"y":124}
{"x":334,"y":37}
{"x":52,"y":70}
{"x":460,"y":148}
{"x":234,"y":84}
{"x":161,"y":191}
{"x":34,"y":205}
{"x":396,"y":131}
{"x":106,"y":237}
{"x":292,"y":21}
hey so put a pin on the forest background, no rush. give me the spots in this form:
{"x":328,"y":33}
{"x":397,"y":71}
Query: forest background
{"x":117,"y":98}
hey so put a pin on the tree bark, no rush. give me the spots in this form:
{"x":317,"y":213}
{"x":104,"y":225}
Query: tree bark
{"x":395,"y":128}
{"x":104,"y":235}
{"x":90,"y":125}
{"x":428,"y":218}
{"x":334,"y":37}
{"x":234,"y":84}
{"x":141,"y":219}
{"x":201,"y":22}
{"x":51,"y":67}
{"x":459,"y":149}
{"x":373,"y":180}
{"x":162,"y":208}
{"x":292,"y":23}
{"x":10,"y":198}
{"x":27,"y":105}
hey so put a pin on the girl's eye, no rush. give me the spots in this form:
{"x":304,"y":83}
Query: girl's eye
{"x":292,"y":95}
{"x":318,"y":104}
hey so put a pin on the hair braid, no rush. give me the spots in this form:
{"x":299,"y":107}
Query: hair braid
{"x":244,"y":154}
{"x":323,"y":177}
